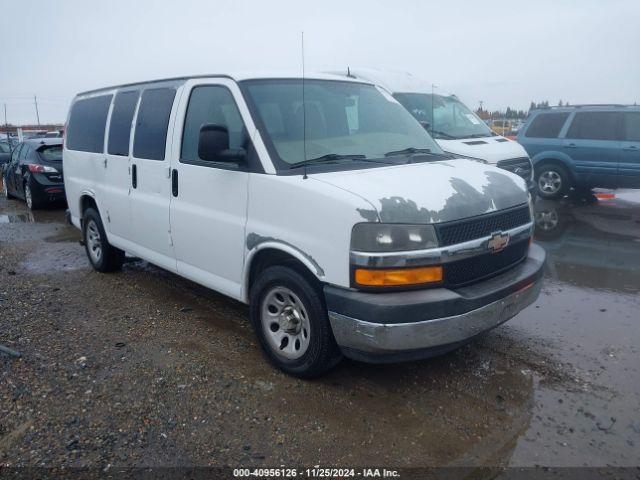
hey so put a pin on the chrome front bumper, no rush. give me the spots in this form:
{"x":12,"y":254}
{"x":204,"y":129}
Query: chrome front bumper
{"x":394,"y":337}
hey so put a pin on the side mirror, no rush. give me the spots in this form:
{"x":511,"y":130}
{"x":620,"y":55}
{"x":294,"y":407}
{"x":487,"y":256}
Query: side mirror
{"x":213,"y":145}
{"x":426,"y":125}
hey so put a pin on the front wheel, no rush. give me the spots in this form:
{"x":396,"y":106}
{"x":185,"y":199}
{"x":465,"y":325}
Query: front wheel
{"x":553,"y":181}
{"x":290,"y":320}
{"x":5,"y":189}
{"x":103,"y":257}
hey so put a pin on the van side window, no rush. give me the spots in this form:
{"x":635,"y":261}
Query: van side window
{"x":124,"y":107}
{"x":546,"y":125}
{"x":594,"y":126}
{"x":87,"y":122}
{"x":153,"y":120}
{"x":211,"y":104}
{"x":632,"y":127}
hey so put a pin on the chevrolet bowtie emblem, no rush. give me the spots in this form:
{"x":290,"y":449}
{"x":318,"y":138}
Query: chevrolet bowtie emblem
{"x":498,"y":242}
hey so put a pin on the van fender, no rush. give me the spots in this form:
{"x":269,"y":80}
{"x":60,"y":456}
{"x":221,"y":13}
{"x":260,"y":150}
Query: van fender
{"x":256,"y":243}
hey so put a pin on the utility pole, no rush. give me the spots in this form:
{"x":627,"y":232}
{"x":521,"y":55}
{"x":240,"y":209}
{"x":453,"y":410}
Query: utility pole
{"x":480,"y":105}
{"x":35,"y":101}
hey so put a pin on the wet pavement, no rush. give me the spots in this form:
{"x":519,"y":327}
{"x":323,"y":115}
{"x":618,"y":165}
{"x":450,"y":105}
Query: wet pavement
{"x":144,"y":368}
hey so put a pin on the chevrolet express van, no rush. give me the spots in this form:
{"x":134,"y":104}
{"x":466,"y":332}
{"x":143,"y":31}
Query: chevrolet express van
{"x":322,"y":203}
{"x":455,"y":127}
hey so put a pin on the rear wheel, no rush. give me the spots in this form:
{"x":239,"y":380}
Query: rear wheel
{"x":102,"y":255}
{"x":290,"y":320}
{"x":31,"y":202}
{"x":553,"y":181}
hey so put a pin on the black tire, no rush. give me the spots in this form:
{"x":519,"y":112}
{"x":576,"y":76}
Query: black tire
{"x":110,"y":258}
{"x":32,"y":202}
{"x":322,"y":352}
{"x":545,"y":174}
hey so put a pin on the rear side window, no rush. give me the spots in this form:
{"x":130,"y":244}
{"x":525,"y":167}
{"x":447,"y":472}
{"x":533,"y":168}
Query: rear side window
{"x":632,"y":127}
{"x":124,"y":107}
{"x":547,"y":125}
{"x":51,"y":153}
{"x":152,"y":123}
{"x":211,"y":105}
{"x":87,"y":122}
{"x":594,"y":126}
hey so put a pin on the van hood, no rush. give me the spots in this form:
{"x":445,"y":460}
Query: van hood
{"x":491,"y":149}
{"x":430,"y":192}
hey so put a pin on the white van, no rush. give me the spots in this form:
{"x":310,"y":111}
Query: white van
{"x":456,"y":128}
{"x":338,"y":219}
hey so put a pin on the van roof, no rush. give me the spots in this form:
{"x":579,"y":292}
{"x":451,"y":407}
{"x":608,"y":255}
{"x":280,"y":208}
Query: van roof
{"x":393,"y":81}
{"x":238,"y":77}
{"x":586,"y":106}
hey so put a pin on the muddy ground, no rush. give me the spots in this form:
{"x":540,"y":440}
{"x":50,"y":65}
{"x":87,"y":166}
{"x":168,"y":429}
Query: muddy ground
{"x":143,"y":368}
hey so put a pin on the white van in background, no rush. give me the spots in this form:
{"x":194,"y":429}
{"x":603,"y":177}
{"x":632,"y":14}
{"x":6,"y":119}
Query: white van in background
{"x":321,"y":202}
{"x":455,"y":127}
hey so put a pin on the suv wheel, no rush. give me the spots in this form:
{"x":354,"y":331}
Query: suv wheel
{"x":102,"y":256}
{"x":290,"y":320}
{"x":553,"y":181}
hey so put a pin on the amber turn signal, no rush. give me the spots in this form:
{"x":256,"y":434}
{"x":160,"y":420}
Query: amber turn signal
{"x":404,"y":276}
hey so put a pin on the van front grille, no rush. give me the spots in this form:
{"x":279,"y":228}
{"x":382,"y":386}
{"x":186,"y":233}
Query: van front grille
{"x":460,"y":231}
{"x":469,"y":270}
{"x":520,"y":166}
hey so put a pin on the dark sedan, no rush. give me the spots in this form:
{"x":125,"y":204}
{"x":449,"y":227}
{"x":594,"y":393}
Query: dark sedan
{"x":5,"y":154}
{"x":34,"y":173}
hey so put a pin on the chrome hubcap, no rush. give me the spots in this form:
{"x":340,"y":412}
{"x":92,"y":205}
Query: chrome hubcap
{"x":94,"y":242}
{"x":547,"y":220}
{"x":549,"y":182}
{"x":285,"y":323}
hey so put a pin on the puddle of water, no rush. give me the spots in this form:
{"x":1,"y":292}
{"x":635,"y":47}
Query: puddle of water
{"x":591,"y":245}
{"x":16,"y":218}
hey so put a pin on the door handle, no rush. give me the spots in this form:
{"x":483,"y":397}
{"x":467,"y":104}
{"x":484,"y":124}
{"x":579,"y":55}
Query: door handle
{"x":631,"y":147}
{"x":134,"y":176}
{"x":174,"y":182}
{"x":570,"y":145}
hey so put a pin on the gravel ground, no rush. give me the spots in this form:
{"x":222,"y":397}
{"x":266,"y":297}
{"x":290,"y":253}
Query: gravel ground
{"x":143,"y":368}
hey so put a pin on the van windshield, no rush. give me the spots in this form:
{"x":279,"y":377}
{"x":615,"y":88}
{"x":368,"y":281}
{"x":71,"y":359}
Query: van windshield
{"x":345,"y":121}
{"x":447,"y":117}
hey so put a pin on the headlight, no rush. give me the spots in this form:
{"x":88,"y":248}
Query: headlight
{"x":381,"y":237}
{"x":480,"y":160}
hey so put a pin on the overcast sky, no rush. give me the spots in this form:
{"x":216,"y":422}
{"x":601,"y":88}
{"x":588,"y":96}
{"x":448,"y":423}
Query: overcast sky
{"x":504,"y":53}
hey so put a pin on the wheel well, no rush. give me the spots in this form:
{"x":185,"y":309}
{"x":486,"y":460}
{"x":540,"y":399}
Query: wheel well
{"x":552,"y":161}
{"x":270,"y":257}
{"x":86,"y":201}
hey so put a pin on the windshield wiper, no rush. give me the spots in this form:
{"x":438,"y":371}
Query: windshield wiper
{"x":443,"y":134}
{"x":481,"y":135}
{"x":408,"y":151}
{"x":333,"y":158}
{"x":413,"y":151}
